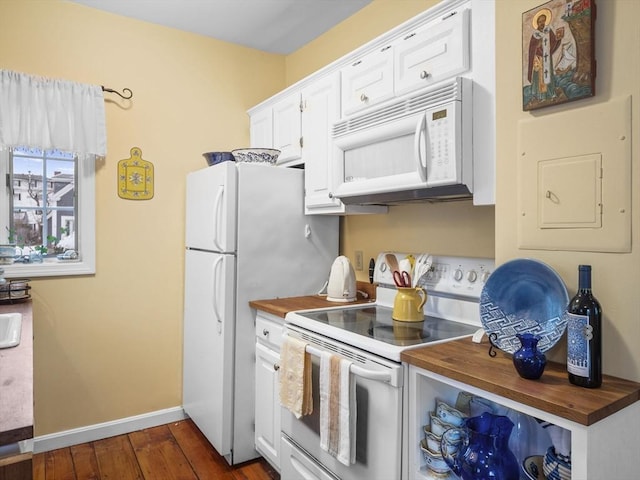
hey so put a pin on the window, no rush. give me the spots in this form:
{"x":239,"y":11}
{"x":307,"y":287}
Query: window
{"x":50,"y":210}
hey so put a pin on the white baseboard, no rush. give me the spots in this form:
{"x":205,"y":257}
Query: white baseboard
{"x":99,"y":431}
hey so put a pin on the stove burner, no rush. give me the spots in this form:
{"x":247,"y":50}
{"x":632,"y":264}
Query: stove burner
{"x":375,"y":322}
{"x":400,"y":333}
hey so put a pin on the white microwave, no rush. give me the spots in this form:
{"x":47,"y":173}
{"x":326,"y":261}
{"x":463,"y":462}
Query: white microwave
{"x":415,"y":148}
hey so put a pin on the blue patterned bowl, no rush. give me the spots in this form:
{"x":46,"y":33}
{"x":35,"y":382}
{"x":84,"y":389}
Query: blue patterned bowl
{"x":435,"y":462}
{"x":213,"y":158}
{"x":554,"y":467}
{"x":256,"y":155}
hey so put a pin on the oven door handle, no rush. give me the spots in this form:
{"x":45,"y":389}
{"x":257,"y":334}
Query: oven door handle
{"x":384,"y":376}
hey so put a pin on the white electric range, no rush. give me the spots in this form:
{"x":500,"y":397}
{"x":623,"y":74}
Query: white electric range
{"x":453,"y":286}
{"x":368,"y":336}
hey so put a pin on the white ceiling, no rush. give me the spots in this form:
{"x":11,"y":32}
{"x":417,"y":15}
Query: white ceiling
{"x":276,"y":26}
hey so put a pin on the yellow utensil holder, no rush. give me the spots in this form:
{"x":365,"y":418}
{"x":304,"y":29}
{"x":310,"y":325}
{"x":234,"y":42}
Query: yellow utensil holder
{"x":408,"y":304}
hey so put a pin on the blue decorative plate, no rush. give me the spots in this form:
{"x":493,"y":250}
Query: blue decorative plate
{"x":524,"y":296}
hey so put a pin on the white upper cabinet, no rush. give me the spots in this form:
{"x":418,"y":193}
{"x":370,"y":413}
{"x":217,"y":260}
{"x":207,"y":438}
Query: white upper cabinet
{"x":287,"y":129}
{"x":299,"y":125}
{"x":279,"y":126}
{"x":261,"y":128}
{"x":320,"y":109}
{"x":432,"y":53}
{"x":452,"y":38}
{"x":368,"y":81}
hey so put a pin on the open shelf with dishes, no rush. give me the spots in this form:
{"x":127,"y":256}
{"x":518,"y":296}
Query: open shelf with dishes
{"x":596,"y":445}
{"x":530,"y":439}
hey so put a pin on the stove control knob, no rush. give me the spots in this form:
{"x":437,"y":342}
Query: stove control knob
{"x":458,"y":274}
{"x":472,"y":276}
{"x":485,"y":276}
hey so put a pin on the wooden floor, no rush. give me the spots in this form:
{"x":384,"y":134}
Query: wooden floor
{"x":168,"y":452}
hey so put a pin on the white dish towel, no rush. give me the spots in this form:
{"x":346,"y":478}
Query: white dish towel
{"x":338,"y":411}
{"x":295,"y":377}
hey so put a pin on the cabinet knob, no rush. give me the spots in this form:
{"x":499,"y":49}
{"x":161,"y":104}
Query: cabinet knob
{"x":424,"y":75}
{"x":265,"y":332}
{"x":330,"y":195}
{"x":363,"y":98}
{"x":276,"y":367}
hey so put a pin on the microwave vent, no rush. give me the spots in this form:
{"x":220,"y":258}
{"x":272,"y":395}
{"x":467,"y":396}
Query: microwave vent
{"x":442,"y":93}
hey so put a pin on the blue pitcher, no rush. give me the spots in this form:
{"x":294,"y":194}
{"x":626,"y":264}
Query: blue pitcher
{"x":480,"y":449}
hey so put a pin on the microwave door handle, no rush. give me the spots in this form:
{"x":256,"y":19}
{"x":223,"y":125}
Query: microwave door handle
{"x":214,"y":292}
{"x":420,"y":139}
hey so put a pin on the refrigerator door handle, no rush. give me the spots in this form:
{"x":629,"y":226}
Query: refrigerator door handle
{"x":217,"y":209}
{"x":214,"y":302}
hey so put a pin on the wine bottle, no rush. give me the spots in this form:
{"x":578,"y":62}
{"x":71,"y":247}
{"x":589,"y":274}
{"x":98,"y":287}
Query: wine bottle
{"x":584,"y":334}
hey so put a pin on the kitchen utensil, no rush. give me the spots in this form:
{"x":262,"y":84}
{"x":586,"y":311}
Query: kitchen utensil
{"x":422,"y":266}
{"x":412,"y":262}
{"x":524,"y":296}
{"x":401,"y":279}
{"x":392,"y":262}
{"x":405,"y":266}
{"x":256,"y":155}
{"x":342,"y":281}
{"x":213,"y":158}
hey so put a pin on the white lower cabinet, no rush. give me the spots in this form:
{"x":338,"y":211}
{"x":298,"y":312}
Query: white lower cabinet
{"x":606,"y":448}
{"x":267,"y":388}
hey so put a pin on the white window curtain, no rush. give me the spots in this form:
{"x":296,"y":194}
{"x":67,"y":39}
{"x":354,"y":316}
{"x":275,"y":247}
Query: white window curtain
{"x":51,"y":114}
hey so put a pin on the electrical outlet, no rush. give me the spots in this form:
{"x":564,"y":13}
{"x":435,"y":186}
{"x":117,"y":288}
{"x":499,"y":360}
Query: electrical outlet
{"x":359,"y":264}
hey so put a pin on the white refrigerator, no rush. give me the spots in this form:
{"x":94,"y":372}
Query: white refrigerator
{"x":247,"y":238}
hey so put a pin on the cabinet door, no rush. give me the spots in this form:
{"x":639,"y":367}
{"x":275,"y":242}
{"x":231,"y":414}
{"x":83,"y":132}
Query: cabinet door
{"x":287,"y":129}
{"x":368,"y":81}
{"x":267,"y":434}
{"x":320,"y":109}
{"x":432,"y":53}
{"x":261,"y":128}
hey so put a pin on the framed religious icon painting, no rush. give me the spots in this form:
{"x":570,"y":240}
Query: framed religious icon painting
{"x":558,"y":53}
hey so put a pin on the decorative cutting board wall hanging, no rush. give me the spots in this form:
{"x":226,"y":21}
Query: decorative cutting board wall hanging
{"x":135,"y":177}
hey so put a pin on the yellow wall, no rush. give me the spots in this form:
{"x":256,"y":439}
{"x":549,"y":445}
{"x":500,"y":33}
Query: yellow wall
{"x":110,"y":346}
{"x":616,"y":277}
{"x":373,"y":20}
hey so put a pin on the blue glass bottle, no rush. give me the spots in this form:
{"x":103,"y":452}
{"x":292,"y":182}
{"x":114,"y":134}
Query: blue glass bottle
{"x":528,"y":360}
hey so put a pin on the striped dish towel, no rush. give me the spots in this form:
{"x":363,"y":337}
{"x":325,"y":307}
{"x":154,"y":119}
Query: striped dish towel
{"x":338,"y":411}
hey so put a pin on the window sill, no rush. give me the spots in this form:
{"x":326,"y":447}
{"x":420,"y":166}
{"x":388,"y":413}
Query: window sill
{"x":48,"y":268}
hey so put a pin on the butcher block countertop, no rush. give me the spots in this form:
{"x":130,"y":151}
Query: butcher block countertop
{"x":281,"y":306}
{"x":16,"y":380}
{"x":470,"y":363}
